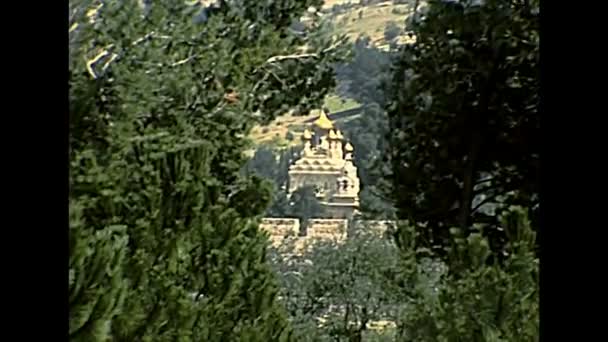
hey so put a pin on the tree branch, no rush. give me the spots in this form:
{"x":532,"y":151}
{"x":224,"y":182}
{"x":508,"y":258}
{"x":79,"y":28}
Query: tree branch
{"x":279,"y":58}
{"x":485,"y":201}
{"x":90,"y":63}
{"x":484,"y":180}
{"x":507,"y":186}
{"x":275,"y":59}
{"x":105,"y":66}
{"x":184,"y":61}
{"x":259,"y":83}
{"x":277,"y":78}
{"x":141,"y":39}
{"x":96,"y":59}
{"x":487,"y":188}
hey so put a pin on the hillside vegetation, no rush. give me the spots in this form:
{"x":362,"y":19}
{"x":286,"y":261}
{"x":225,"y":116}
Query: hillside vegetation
{"x":276,"y":133}
{"x":355,"y":21}
{"x":371,"y":20}
{"x":165,"y":208}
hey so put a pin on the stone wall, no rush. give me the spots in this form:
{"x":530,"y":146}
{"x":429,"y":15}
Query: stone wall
{"x":280,"y":228}
{"x":283,"y":230}
{"x":327,"y":229}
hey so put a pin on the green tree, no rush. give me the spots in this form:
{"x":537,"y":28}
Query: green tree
{"x":334,"y":292}
{"x":162,"y":95}
{"x":273,"y":165}
{"x":367,"y":133}
{"x":477,"y":299}
{"x":264,"y":164}
{"x":280,"y":205}
{"x":304,"y":205}
{"x":464,"y":120}
{"x":363,"y":77}
{"x":96,"y":279}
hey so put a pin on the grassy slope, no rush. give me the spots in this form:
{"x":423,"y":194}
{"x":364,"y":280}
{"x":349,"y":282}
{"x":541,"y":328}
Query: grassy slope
{"x":331,"y":3}
{"x":275,"y":132}
{"x":372,"y":22}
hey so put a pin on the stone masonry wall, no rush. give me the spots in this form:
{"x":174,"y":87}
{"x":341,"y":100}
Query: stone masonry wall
{"x":336,"y":230}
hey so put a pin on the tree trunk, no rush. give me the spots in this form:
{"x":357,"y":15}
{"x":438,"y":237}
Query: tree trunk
{"x":479,"y":120}
{"x":469,"y":181}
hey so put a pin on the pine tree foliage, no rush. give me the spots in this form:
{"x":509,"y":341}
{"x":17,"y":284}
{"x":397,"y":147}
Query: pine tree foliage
{"x":96,"y":280}
{"x":164,"y":243}
{"x":464,"y":119}
{"x":477,"y":299}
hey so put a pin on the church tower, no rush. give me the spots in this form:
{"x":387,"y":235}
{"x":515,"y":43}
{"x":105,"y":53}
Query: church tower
{"x":327,"y":164}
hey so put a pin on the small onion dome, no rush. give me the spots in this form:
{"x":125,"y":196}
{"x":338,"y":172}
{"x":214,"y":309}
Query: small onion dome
{"x":339,"y":135}
{"x":333,"y":135}
{"x":323,"y":121}
{"x":348,"y":147}
{"x":306,"y":135}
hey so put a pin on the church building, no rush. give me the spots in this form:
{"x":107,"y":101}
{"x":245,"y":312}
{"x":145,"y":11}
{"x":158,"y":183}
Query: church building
{"x":327,"y":164}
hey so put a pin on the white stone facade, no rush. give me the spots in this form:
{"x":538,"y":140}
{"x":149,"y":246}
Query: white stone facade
{"x":327,"y":164}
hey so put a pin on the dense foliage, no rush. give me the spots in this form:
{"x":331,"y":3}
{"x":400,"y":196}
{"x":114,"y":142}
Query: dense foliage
{"x":367,"y":289}
{"x":470,"y":78}
{"x":464,"y":119}
{"x":333,"y":292}
{"x":164,"y":204}
{"x":363,"y":77}
{"x":164,"y":242}
{"x":475,"y":298}
{"x":366,"y":132}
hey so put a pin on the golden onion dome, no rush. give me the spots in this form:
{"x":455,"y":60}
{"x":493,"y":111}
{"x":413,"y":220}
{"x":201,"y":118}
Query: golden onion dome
{"x":323,"y":121}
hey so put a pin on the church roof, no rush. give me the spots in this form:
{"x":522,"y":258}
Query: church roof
{"x":323,"y":121}
{"x":348,"y":147}
{"x":333,"y":135}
